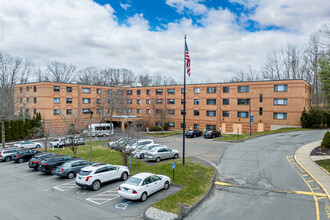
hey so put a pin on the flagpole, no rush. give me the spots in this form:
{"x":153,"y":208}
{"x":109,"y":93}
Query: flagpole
{"x":184,"y":103}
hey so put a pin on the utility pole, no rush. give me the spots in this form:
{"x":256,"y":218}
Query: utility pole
{"x":90,"y":136}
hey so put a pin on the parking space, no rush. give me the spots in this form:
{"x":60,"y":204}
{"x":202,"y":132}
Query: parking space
{"x":59,"y":198}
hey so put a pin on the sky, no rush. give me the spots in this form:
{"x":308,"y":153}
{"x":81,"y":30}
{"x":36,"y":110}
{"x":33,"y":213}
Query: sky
{"x":147,"y":36}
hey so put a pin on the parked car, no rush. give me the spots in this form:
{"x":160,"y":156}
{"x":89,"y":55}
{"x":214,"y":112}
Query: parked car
{"x":75,"y":140}
{"x":49,"y":164}
{"x":57,"y":142}
{"x":7,"y":154}
{"x":138,"y":142}
{"x":115,"y":145}
{"x":28,"y":144}
{"x":161,"y":153}
{"x":142,"y":185}
{"x":97,"y":174}
{"x":140,"y":151}
{"x":24,"y":155}
{"x":193,"y":133}
{"x":212,"y":134}
{"x":34,"y":161}
{"x":70,"y":168}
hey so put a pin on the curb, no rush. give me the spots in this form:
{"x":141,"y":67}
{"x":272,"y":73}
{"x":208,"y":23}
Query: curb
{"x":311,"y":175}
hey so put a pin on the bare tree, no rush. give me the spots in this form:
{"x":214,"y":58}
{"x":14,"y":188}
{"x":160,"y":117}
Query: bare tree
{"x":160,"y":111}
{"x":61,"y":72}
{"x":113,"y":77}
{"x":89,"y":76}
{"x":44,"y":132}
{"x":145,"y":80}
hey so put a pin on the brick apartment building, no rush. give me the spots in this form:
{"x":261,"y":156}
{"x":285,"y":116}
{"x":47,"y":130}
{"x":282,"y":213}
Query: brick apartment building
{"x":273,"y":104}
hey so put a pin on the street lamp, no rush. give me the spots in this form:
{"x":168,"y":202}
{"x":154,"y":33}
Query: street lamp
{"x":90,"y":135}
{"x":250,"y":114}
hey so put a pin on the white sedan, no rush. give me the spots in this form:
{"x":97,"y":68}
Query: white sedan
{"x":142,"y":185}
{"x":28,"y":144}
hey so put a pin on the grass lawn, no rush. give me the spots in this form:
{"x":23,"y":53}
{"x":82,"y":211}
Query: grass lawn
{"x":235,"y":137}
{"x":165,"y":134}
{"x":196,"y":178}
{"x":325,"y":164}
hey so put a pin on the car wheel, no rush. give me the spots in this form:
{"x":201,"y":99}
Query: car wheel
{"x":194,"y":135}
{"x":142,"y":156}
{"x":70,"y":175}
{"x":7,"y":159}
{"x":38,"y":146}
{"x":124,"y":176}
{"x":52,"y":170}
{"x":20,"y":160}
{"x":166,"y":185}
{"x":144,"y":197}
{"x":176,"y":156}
{"x":96,"y":185}
{"x":158,"y":159}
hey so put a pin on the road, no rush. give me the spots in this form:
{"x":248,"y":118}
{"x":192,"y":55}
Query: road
{"x":259,"y":180}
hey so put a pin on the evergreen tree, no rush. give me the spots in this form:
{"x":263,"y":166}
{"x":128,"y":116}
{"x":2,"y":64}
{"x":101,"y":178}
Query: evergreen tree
{"x":8,"y":132}
{"x":305,"y":120}
{"x":21,"y":128}
{"x":326,"y":140}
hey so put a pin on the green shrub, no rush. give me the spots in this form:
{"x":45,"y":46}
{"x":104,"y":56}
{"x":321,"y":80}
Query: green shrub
{"x":166,"y":127}
{"x":154,"y":128}
{"x":326,"y":140}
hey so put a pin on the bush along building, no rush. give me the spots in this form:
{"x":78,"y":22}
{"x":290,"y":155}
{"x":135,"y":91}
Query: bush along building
{"x":225,"y":106}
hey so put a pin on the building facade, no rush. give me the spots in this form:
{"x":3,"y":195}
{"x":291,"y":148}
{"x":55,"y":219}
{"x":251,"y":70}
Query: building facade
{"x":224,"y":106}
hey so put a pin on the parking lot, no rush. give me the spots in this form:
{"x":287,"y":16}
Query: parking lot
{"x":28,"y":194}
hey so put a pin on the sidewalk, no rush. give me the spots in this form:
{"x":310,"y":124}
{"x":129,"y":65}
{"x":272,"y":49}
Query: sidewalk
{"x":303,"y":158}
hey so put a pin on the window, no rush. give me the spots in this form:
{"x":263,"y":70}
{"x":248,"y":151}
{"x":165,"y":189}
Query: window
{"x":159,"y":111}
{"x":138,"y":101}
{"x":159,"y":101}
{"x":27,"y":89}
{"x":148,"y":101}
{"x":21,"y":89}
{"x":225,"y":114}
{"x":243,"y":89}
{"x":21,"y":100}
{"x":56,"y":88}
{"x":279,"y":115}
{"x":35,"y":111}
{"x":109,"y":91}
{"x":210,"y":127}
{"x":196,"y":126}
{"x":98,"y":111}
{"x":68,"y":100}
{"x":158,"y":123}
{"x":196,"y":112}
{"x":225,"y":101}
{"x":260,"y":111}
{"x":68,"y":89}
{"x":129,"y":92}
{"x":98,"y":101}
{"x":211,"y":113}
{"x":129,"y":110}
{"x":280,"y":102}
{"x":196,"y":101}
{"x":27,"y":111}
{"x":119,"y":110}
{"x":280,"y":88}
{"x":35,"y":100}
{"x":211,"y":101}
{"x":261,"y":98}
{"x":225,"y":89}
{"x":196,"y":90}
{"x":34,"y":88}
{"x":182,"y":91}
{"x":171,"y":112}
{"x":56,"y":111}
{"x":138,"y":111}
{"x":56,"y":100}
{"x":86,"y":90}
{"x":86,"y":101}
{"x":69,"y":111}
{"x":129,"y":101}
{"x":120,"y":101}
{"x":120,"y":92}
{"x":148,"y":111}
{"x":182,"y":112}
{"x":148,"y":92}
{"x":171,"y":101}
{"x":86,"y":111}
{"x":242,"y":114}
{"x":171,"y":91}
{"x":171,"y":124}
{"x":211,"y":90}
{"x":242,"y":101}
{"x":138,"y":92}
{"x":159,"y":91}
{"x":27,"y":100}
{"x":182,"y":101}
{"x":98,"y":91}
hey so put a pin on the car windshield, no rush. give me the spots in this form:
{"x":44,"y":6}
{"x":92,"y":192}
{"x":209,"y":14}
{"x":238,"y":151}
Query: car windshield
{"x":84,"y":173}
{"x":132,"y":142}
{"x":190,"y":132}
{"x":65,"y":164}
{"x":133,"y":181}
{"x":152,"y":149}
{"x":209,"y":132}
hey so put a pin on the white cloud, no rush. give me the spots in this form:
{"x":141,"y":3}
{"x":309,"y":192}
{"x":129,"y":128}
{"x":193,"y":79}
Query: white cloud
{"x":125,"y":6}
{"x":191,"y":5}
{"x":86,"y":34}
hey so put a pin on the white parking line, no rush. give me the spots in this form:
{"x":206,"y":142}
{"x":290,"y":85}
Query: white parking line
{"x":34,"y":173}
{"x":104,"y":197}
{"x":66,"y":186}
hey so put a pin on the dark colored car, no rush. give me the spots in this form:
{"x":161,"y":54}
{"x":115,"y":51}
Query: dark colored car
{"x":49,"y":164}
{"x":70,"y":168}
{"x":24,"y":155}
{"x":212,"y":134}
{"x":34,"y":161}
{"x":193,"y":133}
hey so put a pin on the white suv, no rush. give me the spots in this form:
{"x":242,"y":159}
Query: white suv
{"x":138,"y":142}
{"x":95,"y":175}
{"x":57,"y":142}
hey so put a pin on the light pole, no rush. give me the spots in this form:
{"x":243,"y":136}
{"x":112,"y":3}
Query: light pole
{"x":90,"y":136}
{"x":250,"y":114}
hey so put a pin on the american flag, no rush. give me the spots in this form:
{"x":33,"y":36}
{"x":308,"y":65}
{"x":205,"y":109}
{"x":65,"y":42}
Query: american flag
{"x":187,"y":60}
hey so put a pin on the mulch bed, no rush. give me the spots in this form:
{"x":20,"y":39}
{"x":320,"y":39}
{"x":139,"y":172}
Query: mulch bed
{"x":318,"y":152}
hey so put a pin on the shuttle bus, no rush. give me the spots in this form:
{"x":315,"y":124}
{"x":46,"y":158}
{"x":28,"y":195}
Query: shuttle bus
{"x":100,"y":129}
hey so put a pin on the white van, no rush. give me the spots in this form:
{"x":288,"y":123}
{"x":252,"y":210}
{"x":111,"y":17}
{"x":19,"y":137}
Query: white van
{"x":102,"y":129}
